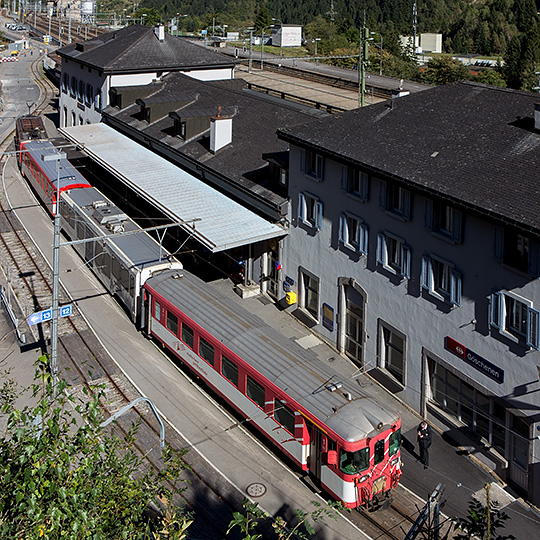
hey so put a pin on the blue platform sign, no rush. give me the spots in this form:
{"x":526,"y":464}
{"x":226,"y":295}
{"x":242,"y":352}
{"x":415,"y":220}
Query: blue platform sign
{"x":46,"y":315}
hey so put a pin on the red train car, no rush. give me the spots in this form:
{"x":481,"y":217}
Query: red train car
{"x":331,"y":428}
{"x":48,"y":178}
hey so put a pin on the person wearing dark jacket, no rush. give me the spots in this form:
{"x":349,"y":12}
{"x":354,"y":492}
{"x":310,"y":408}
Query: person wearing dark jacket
{"x":424,"y":442}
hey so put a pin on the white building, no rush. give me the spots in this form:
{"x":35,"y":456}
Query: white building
{"x":133,"y":56}
{"x":287,"y":35}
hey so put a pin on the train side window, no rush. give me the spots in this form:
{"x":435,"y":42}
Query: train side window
{"x":378,"y":452}
{"x":172,"y":322}
{"x":157,"y":310}
{"x":255,"y":392}
{"x":229,"y":370}
{"x":187,"y":335}
{"x":284,"y":416}
{"x":206,"y":351}
{"x":394,"y":442}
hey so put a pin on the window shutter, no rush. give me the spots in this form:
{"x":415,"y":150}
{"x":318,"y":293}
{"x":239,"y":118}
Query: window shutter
{"x":406,"y":204}
{"x":426,"y":273}
{"x":344,"y":178}
{"x":319,"y":173}
{"x":533,"y":258}
{"x":428,"y":214}
{"x":533,"y":336}
{"x":456,"y":232}
{"x":301,"y":206}
{"x":363,"y":246}
{"x":405,"y":261}
{"x":303,"y":160}
{"x":381,"y":248}
{"x":318,"y":215}
{"x":496,"y":318}
{"x":499,"y":243}
{"x":343,"y":228}
{"x":364,"y":186}
{"x":382,"y":193}
{"x":455,"y":288}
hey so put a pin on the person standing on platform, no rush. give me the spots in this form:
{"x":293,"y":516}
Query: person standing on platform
{"x":424,"y":442}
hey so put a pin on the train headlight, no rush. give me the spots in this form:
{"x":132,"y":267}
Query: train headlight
{"x":362,"y":479}
{"x":395,"y":462}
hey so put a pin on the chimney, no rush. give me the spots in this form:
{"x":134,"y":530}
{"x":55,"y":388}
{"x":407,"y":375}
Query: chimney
{"x":220,"y":131}
{"x":537,"y":117}
{"x":159,"y":30}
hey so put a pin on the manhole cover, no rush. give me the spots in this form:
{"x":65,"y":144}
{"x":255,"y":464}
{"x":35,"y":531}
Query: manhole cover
{"x":256,"y":490}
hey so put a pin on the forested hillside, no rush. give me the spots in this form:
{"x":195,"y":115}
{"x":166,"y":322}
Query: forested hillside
{"x":505,"y":28}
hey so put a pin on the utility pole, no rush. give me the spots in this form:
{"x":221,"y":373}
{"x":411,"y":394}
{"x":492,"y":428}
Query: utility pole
{"x":362,"y":64}
{"x":250,"y":50}
{"x":414,"y":29}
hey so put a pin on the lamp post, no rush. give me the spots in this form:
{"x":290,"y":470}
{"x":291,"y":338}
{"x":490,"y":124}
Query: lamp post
{"x":280,"y":35}
{"x":262,"y":45}
{"x":56,"y":268}
{"x":316,"y":40}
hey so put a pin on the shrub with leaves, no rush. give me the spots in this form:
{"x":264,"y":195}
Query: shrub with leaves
{"x":63,"y":476}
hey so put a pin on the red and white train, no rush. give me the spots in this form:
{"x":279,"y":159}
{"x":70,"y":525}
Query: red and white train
{"x":349,"y":443}
{"x":47,"y":178}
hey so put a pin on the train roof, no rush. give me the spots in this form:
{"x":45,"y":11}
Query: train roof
{"x":282,"y":361}
{"x":70,"y":177}
{"x":139,"y":250}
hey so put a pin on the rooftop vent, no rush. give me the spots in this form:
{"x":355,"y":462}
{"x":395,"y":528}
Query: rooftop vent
{"x":333,"y":387}
{"x":220,"y":131}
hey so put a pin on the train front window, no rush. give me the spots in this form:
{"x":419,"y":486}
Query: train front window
{"x":354,"y":462}
{"x":394,"y":442}
{"x":378,"y":452}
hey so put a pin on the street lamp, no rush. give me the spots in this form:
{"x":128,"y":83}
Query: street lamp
{"x":280,"y":35}
{"x":56,"y":267}
{"x":316,"y":40}
{"x":262,"y":45}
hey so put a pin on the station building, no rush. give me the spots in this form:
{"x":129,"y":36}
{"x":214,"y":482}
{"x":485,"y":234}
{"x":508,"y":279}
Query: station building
{"x":130,"y":57}
{"x":414,"y":249}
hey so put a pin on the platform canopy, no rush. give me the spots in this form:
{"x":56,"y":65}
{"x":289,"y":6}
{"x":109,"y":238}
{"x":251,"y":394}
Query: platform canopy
{"x":221,"y":222}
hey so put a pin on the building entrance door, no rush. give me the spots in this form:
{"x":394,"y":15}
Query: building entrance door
{"x":354,"y":326}
{"x":274,"y":270}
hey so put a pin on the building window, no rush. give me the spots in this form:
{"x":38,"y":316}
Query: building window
{"x":353,"y":233}
{"x":441,"y":280}
{"x":355,"y":182}
{"x":157,"y":311}
{"x":180,"y":129}
{"x":313,"y":164}
{"x":395,"y":199}
{"x":284,"y":416}
{"x":229,"y":370}
{"x":516,"y":250}
{"x":74,"y":87}
{"x":310,"y":290}
{"x":255,"y":392}
{"x":393,"y":352}
{"x":80,"y":94}
{"x":478,"y":411}
{"x":98,"y":101}
{"x":65,"y":83}
{"x":515,"y":317}
{"x":89,"y":95}
{"x":310,"y":210}
{"x":393,"y":254}
{"x":187,"y":335}
{"x":172,"y":322}
{"x":444,"y":220}
{"x":206,"y":351}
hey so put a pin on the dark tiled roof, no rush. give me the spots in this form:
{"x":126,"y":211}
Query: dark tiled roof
{"x":473,"y":143}
{"x":136,"y":48}
{"x":254,"y":124}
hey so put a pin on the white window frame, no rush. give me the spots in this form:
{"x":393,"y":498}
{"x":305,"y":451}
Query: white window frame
{"x":304,"y":276}
{"x":383,"y":344}
{"x":386,"y":200}
{"x":453,"y":294}
{"x":498,"y":319}
{"x":404,"y":267}
{"x":353,"y":233}
{"x":316,"y":172}
{"x":432,"y":220}
{"x":310,"y":210}
{"x":349,"y":177}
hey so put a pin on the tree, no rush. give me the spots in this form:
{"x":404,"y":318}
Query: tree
{"x":477,"y":526}
{"x":444,"y":70}
{"x":303,"y":529}
{"x":263,"y":19}
{"x":63,"y":476}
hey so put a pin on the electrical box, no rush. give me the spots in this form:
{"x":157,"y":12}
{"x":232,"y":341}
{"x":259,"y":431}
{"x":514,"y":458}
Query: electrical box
{"x":290,"y":298}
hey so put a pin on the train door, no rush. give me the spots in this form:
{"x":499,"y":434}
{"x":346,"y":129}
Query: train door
{"x":316,"y":438}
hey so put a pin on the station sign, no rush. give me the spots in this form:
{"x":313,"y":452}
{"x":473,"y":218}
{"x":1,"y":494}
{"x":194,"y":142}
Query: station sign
{"x":46,"y":315}
{"x":475,"y":360}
